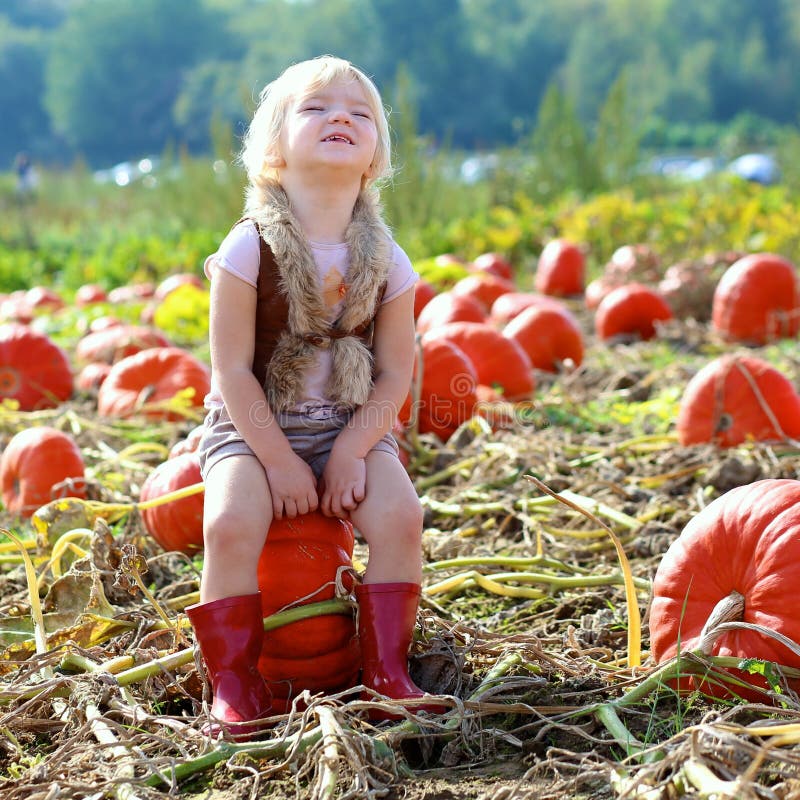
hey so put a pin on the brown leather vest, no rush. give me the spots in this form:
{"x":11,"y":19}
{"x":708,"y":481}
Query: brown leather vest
{"x":272,"y":314}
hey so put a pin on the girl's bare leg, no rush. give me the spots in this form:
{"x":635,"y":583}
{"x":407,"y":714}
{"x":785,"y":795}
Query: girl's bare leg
{"x":390,"y":520}
{"x":236,"y":517}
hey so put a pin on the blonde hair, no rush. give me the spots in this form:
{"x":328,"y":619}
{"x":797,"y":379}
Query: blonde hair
{"x":261,"y":141}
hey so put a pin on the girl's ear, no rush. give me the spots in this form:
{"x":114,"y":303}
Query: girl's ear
{"x":274,"y":161}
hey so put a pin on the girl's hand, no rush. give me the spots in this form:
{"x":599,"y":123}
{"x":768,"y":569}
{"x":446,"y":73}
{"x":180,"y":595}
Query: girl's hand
{"x":343,"y":484}
{"x":293,"y":487}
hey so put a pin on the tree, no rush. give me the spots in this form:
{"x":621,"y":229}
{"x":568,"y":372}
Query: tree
{"x":561,"y":148}
{"x":432,"y":40}
{"x":116,"y":69}
{"x":25,"y":122}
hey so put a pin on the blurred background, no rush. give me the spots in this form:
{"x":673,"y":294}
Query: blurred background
{"x":114,"y":80}
{"x":495,"y":103}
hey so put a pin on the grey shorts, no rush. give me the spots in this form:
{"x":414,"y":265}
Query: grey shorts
{"x":309,"y":437}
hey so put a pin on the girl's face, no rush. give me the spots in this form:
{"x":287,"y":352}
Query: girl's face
{"x":331,"y":129}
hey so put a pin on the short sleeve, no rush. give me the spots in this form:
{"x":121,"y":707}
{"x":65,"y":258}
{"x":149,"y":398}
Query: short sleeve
{"x":239,"y":253}
{"x":401,"y":276}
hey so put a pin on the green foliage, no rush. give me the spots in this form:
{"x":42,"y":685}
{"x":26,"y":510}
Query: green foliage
{"x":183,"y":315}
{"x":119,"y":235}
{"x":561,"y":149}
{"x":124,"y":78}
{"x":115,"y":70}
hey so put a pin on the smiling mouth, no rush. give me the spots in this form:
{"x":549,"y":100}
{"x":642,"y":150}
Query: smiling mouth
{"x":337,"y":138}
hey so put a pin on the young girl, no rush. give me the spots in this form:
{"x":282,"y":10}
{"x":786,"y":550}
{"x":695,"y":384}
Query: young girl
{"x":312,"y":342}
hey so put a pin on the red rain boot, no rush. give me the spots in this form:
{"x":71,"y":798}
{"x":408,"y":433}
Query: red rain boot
{"x":386,"y":616}
{"x":229,"y":633}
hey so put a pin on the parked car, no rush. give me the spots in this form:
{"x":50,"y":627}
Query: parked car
{"x":757,"y":167}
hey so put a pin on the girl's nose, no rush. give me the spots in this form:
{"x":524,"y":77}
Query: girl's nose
{"x":340,"y":115}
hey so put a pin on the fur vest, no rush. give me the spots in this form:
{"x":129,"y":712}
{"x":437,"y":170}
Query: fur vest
{"x":299,"y":306}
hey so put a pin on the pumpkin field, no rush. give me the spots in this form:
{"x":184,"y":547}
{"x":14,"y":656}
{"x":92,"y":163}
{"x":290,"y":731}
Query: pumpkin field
{"x":603,"y":429}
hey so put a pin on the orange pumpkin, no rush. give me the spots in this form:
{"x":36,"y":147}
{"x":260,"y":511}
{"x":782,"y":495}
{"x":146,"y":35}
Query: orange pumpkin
{"x":177,"y":525}
{"x":597,"y":289}
{"x":447,"y":393}
{"x":35,"y":461}
{"x":449,"y":307}
{"x":116,"y":341}
{"x":483,"y":287}
{"x":744,"y":542}
{"x":91,"y":376}
{"x":424,"y":292}
{"x":138,"y":382}
{"x":132,"y":293}
{"x":508,"y":305}
{"x":633,"y":309}
{"x":34,"y":370}
{"x":631,"y":263}
{"x":757,"y":300}
{"x":736,"y":397}
{"x":549,"y":335}
{"x":90,"y":293}
{"x":16,"y":308}
{"x":561,"y":269}
{"x":498,"y":361}
{"x":299,"y":565}
{"x":494,"y":264}
{"x":42,"y":298}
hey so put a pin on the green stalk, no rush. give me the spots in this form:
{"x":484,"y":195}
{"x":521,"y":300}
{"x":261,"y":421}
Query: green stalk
{"x":469,"y":579}
{"x":500,"y":669}
{"x":451,"y":469}
{"x":181,"y":657}
{"x":607,"y":714}
{"x":299,"y":743}
{"x":506,"y":561}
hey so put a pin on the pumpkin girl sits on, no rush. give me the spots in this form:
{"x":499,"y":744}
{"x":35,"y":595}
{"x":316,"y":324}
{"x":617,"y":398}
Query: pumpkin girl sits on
{"x":312,"y":342}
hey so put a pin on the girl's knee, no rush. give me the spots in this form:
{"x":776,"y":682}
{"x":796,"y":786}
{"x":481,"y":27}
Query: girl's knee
{"x":405,"y":519}
{"x":233,"y":529}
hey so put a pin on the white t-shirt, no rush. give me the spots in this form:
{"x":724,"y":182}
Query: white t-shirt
{"x":240,"y":255}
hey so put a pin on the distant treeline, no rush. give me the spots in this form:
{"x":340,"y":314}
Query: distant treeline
{"x":107,"y":80}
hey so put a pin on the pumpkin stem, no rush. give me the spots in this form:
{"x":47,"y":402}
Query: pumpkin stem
{"x":729,"y":609}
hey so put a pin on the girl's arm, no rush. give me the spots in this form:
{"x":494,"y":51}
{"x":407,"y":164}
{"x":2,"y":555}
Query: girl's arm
{"x":393,"y":352}
{"x":231,"y":334}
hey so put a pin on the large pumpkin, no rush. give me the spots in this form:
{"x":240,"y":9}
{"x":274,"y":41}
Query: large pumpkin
{"x":509,"y":305}
{"x":449,"y":307}
{"x":447,"y":393}
{"x":549,"y":335}
{"x":177,"y":525}
{"x":633,"y":309}
{"x":757,"y":300}
{"x":736,"y":397}
{"x":494,"y":264}
{"x":561,"y":269}
{"x":34,"y":370}
{"x":744,"y":541}
{"x":139,"y":382}
{"x":424,"y":292}
{"x":299,"y":565}
{"x":498,"y":360}
{"x":483,"y":287}
{"x":112,"y":344}
{"x":35,"y":461}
